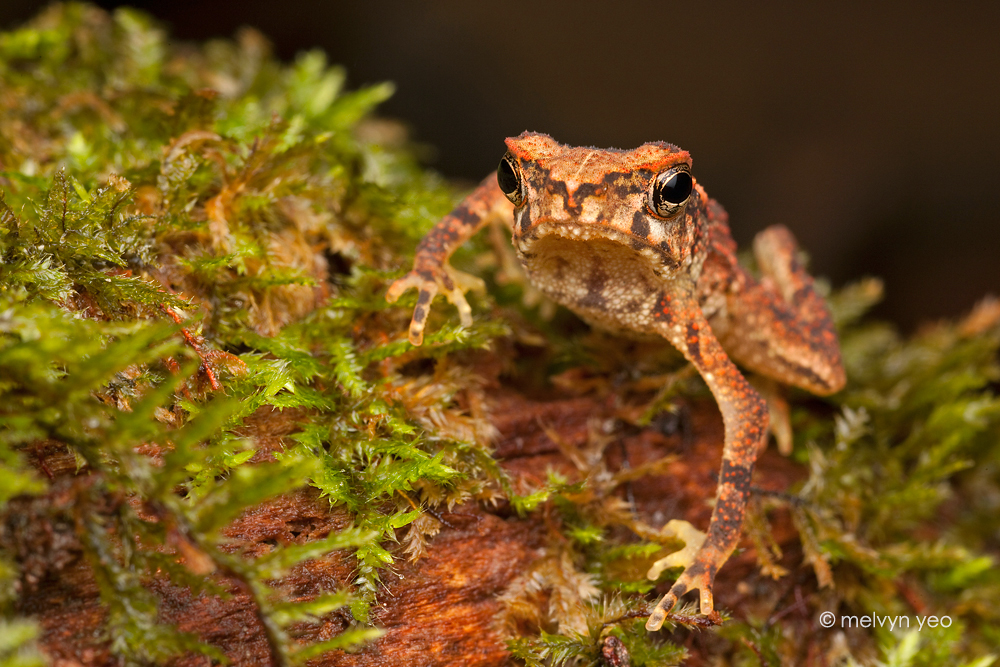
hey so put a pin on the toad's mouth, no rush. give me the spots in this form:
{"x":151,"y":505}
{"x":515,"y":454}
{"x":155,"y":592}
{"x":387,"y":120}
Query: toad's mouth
{"x":548,"y":236}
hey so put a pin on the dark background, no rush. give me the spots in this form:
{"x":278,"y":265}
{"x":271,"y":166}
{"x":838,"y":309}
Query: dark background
{"x":872,"y":130}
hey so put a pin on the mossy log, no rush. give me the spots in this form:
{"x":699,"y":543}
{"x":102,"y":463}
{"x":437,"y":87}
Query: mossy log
{"x":217,"y":444}
{"x":443,"y":609}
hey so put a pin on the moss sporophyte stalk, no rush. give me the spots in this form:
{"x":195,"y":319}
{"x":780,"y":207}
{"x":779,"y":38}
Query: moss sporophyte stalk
{"x":208,"y":411}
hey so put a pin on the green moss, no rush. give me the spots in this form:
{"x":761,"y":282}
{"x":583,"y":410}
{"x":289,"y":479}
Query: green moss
{"x":191,"y":235}
{"x":163,"y":208}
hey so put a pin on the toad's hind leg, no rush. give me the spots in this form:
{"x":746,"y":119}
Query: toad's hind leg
{"x":781,"y":327}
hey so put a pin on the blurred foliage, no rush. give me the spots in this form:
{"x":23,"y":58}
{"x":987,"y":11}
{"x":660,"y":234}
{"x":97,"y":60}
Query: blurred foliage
{"x":191,"y":236}
{"x":899,"y":514}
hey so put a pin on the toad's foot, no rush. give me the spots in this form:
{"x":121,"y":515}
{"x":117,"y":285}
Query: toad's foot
{"x":695,"y":575}
{"x":428,"y":281}
{"x":692,"y":539}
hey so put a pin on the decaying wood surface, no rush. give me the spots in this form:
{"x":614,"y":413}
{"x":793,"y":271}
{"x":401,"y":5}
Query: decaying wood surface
{"x":439,"y":610}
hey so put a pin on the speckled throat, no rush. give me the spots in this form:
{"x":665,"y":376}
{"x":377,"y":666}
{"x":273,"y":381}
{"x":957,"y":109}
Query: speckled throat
{"x":596,"y":273}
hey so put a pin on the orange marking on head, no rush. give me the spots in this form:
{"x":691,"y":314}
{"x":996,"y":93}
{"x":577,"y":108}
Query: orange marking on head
{"x":590,"y":164}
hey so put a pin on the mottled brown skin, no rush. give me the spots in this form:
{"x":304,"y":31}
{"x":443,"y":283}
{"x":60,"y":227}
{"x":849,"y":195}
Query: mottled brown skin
{"x":590,"y":236}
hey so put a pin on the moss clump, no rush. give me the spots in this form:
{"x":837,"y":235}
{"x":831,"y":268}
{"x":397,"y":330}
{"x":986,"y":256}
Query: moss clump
{"x":189,"y":236}
{"x":194,"y":238}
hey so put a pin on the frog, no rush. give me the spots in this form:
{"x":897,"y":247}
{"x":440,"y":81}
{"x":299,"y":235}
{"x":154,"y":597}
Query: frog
{"x":630,"y":242}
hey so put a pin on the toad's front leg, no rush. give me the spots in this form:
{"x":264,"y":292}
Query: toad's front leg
{"x":744,"y":414}
{"x":432,"y":273}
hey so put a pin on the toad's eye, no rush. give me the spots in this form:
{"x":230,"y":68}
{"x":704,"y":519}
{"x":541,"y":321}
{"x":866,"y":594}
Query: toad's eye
{"x":670,"y":190}
{"x":509,"y":179}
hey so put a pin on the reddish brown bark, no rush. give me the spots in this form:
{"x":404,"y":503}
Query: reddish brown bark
{"x":439,"y":610}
